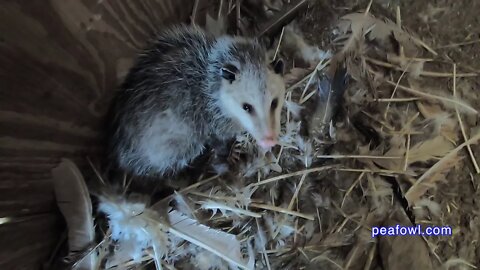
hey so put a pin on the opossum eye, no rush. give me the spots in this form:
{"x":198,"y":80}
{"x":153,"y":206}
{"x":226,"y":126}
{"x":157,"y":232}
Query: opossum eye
{"x":247,"y":107}
{"x":274,"y":104}
{"x":227,"y":75}
{"x":228,"y":72}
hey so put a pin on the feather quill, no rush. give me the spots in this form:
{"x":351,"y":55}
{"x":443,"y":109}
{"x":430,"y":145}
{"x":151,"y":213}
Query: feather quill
{"x":215,"y":206}
{"x":74,"y":202}
{"x":330,"y":97}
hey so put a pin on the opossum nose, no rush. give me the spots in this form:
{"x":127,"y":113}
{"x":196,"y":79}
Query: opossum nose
{"x":268,"y":142}
{"x":270,"y":135}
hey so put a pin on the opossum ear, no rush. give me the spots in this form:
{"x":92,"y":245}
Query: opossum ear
{"x":228,"y":72}
{"x":278,"y":66}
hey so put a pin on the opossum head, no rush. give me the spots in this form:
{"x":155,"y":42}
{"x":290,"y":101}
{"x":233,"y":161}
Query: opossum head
{"x":252,"y":92}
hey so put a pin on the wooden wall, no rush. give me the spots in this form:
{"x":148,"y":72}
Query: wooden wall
{"x":60,"y":60}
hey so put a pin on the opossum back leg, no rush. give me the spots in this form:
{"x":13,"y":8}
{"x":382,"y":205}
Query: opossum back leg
{"x":169,"y":144}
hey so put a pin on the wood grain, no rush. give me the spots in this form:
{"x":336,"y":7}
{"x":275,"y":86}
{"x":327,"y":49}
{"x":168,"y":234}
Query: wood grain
{"x":60,"y":61}
{"x":30,"y":240}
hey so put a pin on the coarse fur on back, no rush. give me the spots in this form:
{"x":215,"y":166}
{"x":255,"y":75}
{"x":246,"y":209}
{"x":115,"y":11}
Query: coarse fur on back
{"x":187,"y":90}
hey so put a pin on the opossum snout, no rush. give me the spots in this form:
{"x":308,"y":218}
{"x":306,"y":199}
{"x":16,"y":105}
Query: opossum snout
{"x":269,"y":140}
{"x":267,"y":143}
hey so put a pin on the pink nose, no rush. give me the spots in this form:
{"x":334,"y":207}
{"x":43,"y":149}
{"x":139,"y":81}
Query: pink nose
{"x":268,"y":141}
{"x":269,"y":135}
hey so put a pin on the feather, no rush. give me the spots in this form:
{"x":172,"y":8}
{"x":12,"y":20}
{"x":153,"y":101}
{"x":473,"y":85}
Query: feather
{"x":294,"y":108}
{"x":291,"y":131}
{"x":206,"y":260}
{"x":321,"y":201}
{"x":429,"y":109}
{"x":397,"y":149}
{"x":220,"y":243}
{"x":457,"y":262}
{"x":293,"y":41}
{"x":184,"y":205}
{"x":436,"y":172}
{"x":261,"y":243}
{"x":74,"y":202}
{"x":243,"y":196}
{"x":433,"y":207}
{"x":135,"y":228}
{"x":445,"y":124}
{"x":279,"y":227}
{"x":362,"y":25}
{"x":216,"y":206}
{"x":429,"y":149}
{"x":436,"y":147}
{"x":451,"y":102}
{"x":330,"y":92}
{"x":306,"y":151}
{"x":380,"y":193}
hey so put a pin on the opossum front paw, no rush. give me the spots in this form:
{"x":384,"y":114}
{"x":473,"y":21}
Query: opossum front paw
{"x":235,"y":154}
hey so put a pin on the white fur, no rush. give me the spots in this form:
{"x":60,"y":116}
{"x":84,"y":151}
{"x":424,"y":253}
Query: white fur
{"x":167,"y":130}
{"x":253,"y":85}
{"x":257,"y":88}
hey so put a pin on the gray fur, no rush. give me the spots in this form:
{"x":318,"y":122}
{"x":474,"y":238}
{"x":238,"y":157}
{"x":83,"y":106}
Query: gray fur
{"x":168,"y":108}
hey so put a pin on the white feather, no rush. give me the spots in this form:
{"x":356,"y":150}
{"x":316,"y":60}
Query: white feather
{"x":216,"y":206}
{"x":291,"y":132}
{"x":74,"y":202}
{"x":183,"y":205}
{"x":294,"y":108}
{"x":220,"y":243}
{"x":243,"y":195}
{"x":136,"y":228}
{"x":432,"y":206}
{"x":205,"y":260}
{"x":306,"y":151}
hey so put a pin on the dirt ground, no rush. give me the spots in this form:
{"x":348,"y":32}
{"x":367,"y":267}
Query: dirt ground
{"x":452,"y":28}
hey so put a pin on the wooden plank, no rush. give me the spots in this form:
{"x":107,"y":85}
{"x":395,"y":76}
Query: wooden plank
{"x":21,"y":198}
{"x":30,"y":241}
{"x":60,"y":62}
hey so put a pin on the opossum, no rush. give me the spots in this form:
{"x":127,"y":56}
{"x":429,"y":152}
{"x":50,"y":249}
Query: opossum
{"x":190,"y":89}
